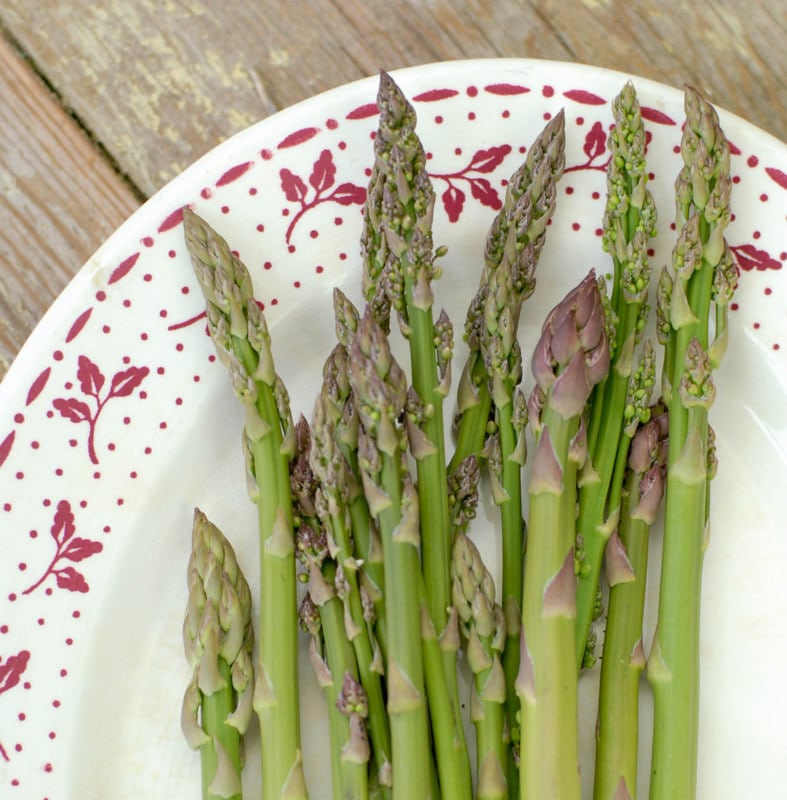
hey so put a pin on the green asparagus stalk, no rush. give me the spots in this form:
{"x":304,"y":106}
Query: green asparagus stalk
{"x":571,"y":356}
{"x":406,"y":221}
{"x":332,"y":474}
{"x":380,"y":389}
{"x":700,"y":278}
{"x":323,"y":614}
{"x":629,"y":223}
{"x":516,"y":238}
{"x":482,"y":623}
{"x":490,"y":405}
{"x":406,"y":207}
{"x":503,"y":364}
{"x":240,"y":334}
{"x":330,"y":652}
{"x":623,"y":660}
{"x":219,"y":639}
{"x":340,"y":406}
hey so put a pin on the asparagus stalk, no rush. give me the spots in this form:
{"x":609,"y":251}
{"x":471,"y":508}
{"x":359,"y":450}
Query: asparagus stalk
{"x":503,"y":364}
{"x":405,"y":199}
{"x":571,"y":357}
{"x":488,"y":396}
{"x":629,"y":222}
{"x":516,"y":238}
{"x":240,"y":334}
{"x":330,"y":652}
{"x":623,"y":657}
{"x":483,"y":628}
{"x":340,"y":406}
{"x":700,"y":277}
{"x":380,"y":390}
{"x":406,"y":221}
{"x":323,"y":614}
{"x":219,"y":639}
{"x":332,"y":475}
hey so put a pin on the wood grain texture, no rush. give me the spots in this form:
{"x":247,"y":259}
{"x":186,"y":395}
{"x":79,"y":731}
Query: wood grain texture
{"x":60,"y":200}
{"x":157,"y":83}
{"x":160,"y":82}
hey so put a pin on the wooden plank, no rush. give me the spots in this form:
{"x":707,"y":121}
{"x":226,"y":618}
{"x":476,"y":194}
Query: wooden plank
{"x":60,"y":200}
{"x":159,"y":83}
{"x":732,"y":51}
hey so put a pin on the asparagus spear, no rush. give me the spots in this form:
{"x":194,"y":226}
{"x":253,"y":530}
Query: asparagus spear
{"x":488,"y":396}
{"x":330,"y":652}
{"x":516,"y":238}
{"x":323,"y":614}
{"x":624,"y":657}
{"x":219,"y":639}
{"x":503,"y":364}
{"x":240,"y":334}
{"x":405,"y":222}
{"x":332,"y":475}
{"x":571,"y":356}
{"x":380,"y":390}
{"x":340,"y":406}
{"x":629,"y":222}
{"x":700,"y":278}
{"x":483,"y":628}
{"x":402,"y":203}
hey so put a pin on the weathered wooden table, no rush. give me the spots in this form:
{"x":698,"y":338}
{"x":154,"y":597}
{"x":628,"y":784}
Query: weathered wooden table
{"x":103,"y":103}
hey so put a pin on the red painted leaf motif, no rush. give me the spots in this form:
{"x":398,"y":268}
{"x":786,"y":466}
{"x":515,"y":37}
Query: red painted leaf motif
{"x":654,"y":115}
{"x":777,"y":175}
{"x":72,"y":409}
{"x":364,"y":111}
{"x":453,"y":202}
{"x":751,"y":258}
{"x":505,"y":88}
{"x":11,"y":670}
{"x":490,"y":159}
{"x":79,"y":323}
{"x":69,"y":548}
{"x":63,"y":527}
{"x":176,"y":326}
{"x":89,"y":376}
{"x":38,"y":385}
{"x":71,"y":579}
{"x":5,"y":447}
{"x":584,"y":97}
{"x":483,"y":190}
{"x":79,"y":549}
{"x":294,"y":188}
{"x":595,"y":141}
{"x":233,"y":173}
{"x":126,"y":380}
{"x":347,"y":194}
{"x":123,"y":268}
{"x":297,"y":137}
{"x":734,"y":149}
{"x":172,"y":221}
{"x":435,"y":94}
{"x":323,"y":172}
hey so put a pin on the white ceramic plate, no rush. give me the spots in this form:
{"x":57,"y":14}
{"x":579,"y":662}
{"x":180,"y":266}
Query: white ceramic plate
{"x":116,"y":419}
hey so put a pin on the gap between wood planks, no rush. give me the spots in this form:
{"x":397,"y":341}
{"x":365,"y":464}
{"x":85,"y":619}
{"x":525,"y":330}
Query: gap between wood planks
{"x":25,"y":57}
{"x":60,"y":198}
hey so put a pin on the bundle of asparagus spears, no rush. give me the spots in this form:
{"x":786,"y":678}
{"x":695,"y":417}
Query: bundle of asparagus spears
{"x":363,"y":505}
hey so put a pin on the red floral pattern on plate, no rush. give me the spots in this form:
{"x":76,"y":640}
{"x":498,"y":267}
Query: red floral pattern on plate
{"x":91,"y":382}
{"x":68,"y":548}
{"x":322,"y":178}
